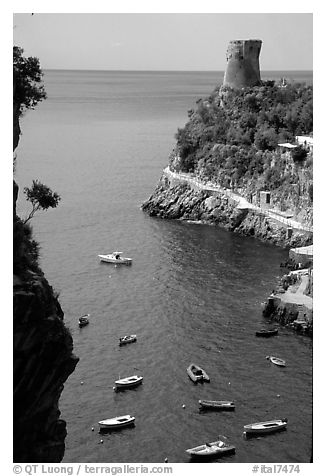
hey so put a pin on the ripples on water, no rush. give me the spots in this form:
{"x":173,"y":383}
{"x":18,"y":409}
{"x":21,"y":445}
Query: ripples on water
{"x":193,"y":293}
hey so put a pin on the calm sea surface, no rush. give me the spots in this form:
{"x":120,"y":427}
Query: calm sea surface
{"x":192,"y":294}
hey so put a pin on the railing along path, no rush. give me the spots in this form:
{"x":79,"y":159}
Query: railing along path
{"x":242,"y":202}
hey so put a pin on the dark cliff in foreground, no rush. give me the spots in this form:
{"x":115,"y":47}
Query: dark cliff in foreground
{"x":42,"y":345}
{"x":253,"y":141}
{"x":43,"y":359}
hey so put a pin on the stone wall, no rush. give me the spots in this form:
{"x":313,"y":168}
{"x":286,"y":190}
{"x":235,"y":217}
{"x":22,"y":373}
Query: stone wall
{"x":242,"y":68}
{"x":289,"y":315}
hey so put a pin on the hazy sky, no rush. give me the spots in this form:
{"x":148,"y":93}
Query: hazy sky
{"x":162,"y":41}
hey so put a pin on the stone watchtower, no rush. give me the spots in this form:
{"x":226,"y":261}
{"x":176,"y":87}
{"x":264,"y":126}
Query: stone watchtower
{"x":242,"y":68}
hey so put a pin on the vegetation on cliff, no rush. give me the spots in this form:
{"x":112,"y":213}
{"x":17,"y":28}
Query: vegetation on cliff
{"x":27,"y":76}
{"x":232,"y":138}
{"x":28,"y":91}
{"x":41,"y":198}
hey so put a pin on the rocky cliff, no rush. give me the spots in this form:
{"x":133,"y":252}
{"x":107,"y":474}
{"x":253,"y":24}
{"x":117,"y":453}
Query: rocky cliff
{"x":43,"y":360}
{"x":237,"y":140}
{"x":42,"y":350}
{"x":173,"y":199}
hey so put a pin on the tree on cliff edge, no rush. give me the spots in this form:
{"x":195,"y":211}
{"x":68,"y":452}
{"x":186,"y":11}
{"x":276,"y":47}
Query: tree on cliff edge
{"x":41,"y":198}
{"x":27,"y":76}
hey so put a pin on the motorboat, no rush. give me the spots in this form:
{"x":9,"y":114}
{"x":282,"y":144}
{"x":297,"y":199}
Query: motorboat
{"x":266,"y":426}
{"x":276,"y":360}
{"x":197,"y":374}
{"x":127,"y":339}
{"x":116,"y":258}
{"x":128,"y":382}
{"x":216,"y":405}
{"x":267,"y":332}
{"x":117,"y":422}
{"x":207,"y":450}
{"x":83,"y":320}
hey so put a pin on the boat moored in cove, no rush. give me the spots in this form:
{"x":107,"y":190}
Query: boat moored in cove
{"x":216,"y":448}
{"x":197,"y":374}
{"x":117,"y":422}
{"x":216,"y":405}
{"x":127,"y":339}
{"x":83,"y":320}
{"x":276,"y":360}
{"x":267,"y":332}
{"x":266,"y":426}
{"x":115,"y":258}
{"x":128,"y":382}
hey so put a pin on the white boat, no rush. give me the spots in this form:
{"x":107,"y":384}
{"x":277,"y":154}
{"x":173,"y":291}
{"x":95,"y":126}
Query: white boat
{"x":83,"y":320}
{"x":216,"y":404}
{"x":115,"y":258}
{"x":266,"y":426}
{"x":117,"y":422}
{"x":216,"y":448}
{"x":127,"y":339}
{"x":197,"y":374}
{"x":276,"y":360}
{"x":128,"y":382}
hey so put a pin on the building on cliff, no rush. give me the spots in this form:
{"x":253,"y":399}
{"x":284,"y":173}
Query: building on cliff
{"x":305,"y":141}
{"x":242,"y":69}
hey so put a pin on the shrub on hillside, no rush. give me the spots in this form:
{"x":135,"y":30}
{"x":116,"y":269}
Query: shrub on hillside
{"x":299,"y":154}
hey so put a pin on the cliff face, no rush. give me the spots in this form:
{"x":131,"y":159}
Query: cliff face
{"x":43,"y":360}
{"x":177,"y":200}
{"x":42,"y":352}
{"x":16,"y":127}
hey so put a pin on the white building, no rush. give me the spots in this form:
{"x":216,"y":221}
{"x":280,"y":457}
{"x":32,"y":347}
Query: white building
{"x":306,"y":141}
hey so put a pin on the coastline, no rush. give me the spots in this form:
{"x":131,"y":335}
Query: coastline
{"x":185,"y":197}
{"x":292,"y":304}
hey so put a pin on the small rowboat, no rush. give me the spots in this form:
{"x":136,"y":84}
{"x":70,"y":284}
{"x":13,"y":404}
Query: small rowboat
{"x":266,"y":426}
{"x":216,"y":405}
{"x":115,"y":258}
{"x":276,"y":360}
{"x":267,"y":332}
{"x":128,"y":382}
{"x":197,"y":374}
{"x":117,"y":422}
{"x":127,"y":339}
{"x":216,"y":448}
{"x":83,"y":320}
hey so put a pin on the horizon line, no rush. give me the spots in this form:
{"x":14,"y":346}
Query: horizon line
{"x":168,"y":70}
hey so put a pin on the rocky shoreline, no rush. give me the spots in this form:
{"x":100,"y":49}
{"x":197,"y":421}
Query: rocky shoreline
{"x":177,"y":199}
{"x":295,"y":316}
{"x":291,"y":304}
{"x":289,"y":315}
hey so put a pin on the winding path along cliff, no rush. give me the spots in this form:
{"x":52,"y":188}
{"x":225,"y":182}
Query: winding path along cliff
{"x":184,"y":197}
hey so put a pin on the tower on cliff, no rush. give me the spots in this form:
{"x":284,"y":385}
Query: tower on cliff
{"x":242,"y":68}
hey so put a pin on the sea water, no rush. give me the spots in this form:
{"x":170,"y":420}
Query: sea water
{"x":194,"y":293}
